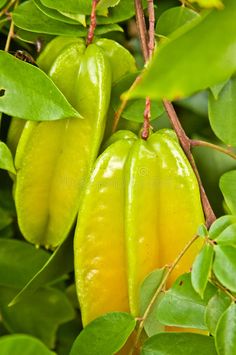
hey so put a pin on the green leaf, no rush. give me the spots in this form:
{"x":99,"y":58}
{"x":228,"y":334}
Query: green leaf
{"x":29,"y":93}
{"x":39,"y":315}
{"x":28,"y":17}
{"x":227,"y":236}
{"x":202,"y":268}
{"x":182,"y":306}
{"x":174,"y":18}
{"x":105,"y":335}
{"x":103,"y":5}
{"x":216,"y":89}
{"x":77,"y":17}
{"x":208,"y":3}
{"x":74,"y":6}
{"x":59,"y":264}
{"x":226,"y":332}
{"x":54,"y":14}
{"x":202,"y":231}
{"x":220,"y":225}
{"x":224,"y":266}
{"x":19,"y":261}
{"x":181,"y":58}
{"x":179,"y":344}
{"x":2,"y":3}
{"x":22,"y":344}
{"x":228,"y":188}
{"x":214,"y":310}
{"x":5,"y":218}
{"x":135,"y":108}
{"x":148,"y":289}
{"x":6,"y":160}
{"x":222,"y":113}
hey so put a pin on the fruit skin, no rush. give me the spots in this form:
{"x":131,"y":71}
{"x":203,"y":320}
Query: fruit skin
{"x":59,"y":155}
{"x":142,"y":205}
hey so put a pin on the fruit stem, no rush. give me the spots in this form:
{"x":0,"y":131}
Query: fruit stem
{"x":93,"y":23}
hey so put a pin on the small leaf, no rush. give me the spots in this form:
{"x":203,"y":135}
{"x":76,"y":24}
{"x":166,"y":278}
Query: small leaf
{"x":179,"y":344}
{"x":182,"y":306}
{"x":105,"y":335}
{"x":224,"y":266}
{"x":228,"y":188}
{"x":215,"y":308}
{"x":208,"y":3}
{"x":174,"y":18}
{"x":227,"y":236}
{"x":181,"y":58}
{"x":6,"y":160}
{"x":202,"y":231}
{"x":59,"y":264}
{"x":226,"y":332}
{"x":222,"y":113}
{"x":29,"y":93}
{"x":220,"y":225}
{"x":148,"y":289}
{"x":202,"y":268}
{"x":22,"y":344}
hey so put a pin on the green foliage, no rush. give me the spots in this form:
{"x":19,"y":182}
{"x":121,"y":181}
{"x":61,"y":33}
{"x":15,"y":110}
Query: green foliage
{"x":23,"y":344}
{"x":6,"y":161}
{"x":228,"y":188}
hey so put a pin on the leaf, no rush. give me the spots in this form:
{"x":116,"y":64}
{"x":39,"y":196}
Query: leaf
{"x":105,"y":335}
{"x":103,"y":5}
{"x":59,"y":264}
{"x":216,"y":89}
{"x":5,"y":218}
{"x":228,"y":188}
{"x":19,"y":261}
{"x":135,"y":108}
{"x":202,"y":268}
{"x":54,"y":14}
{"x":148,"y":289}
{"x":181,"y":58}
{"x":77,"y":17}
{"x":28,"y":17}
{"x":179,"y":344}
{"x":29,"y":93}
{"x":226,"y":332}
{"x":2,"y":3}
{"x":208,"y":3}
{"x":174,"y":18}
{"x":227,"y":236}
{"x":74,"y":6}
{"x":224,"y":266}
{"x":39,"y":315}
{"x":6,"y":160}
{"x":22,"y":344}
{"x":182,"y":306}
{"x":220,"y":225}
{"x":222,"y":113}
{"x":214,"y":310}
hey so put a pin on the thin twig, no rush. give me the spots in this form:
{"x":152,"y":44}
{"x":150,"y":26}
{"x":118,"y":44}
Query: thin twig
{"x":151,"y":31}
{"x":160,"y":288}
{"x":147,"y":117}
{"x":200,"y":143}
{"x":140,"y":20}
{"x":186,"y":145}
{"x":93,"y":22}
{"x":7,"y":7}
{"x":9,"y":36}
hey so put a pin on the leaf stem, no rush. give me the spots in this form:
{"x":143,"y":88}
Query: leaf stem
{"x":200,"y":143}
{"x":93,"y":22}
{"x":7,"y":7}
{"x":215,"y":282}
{"x":159,"y":290}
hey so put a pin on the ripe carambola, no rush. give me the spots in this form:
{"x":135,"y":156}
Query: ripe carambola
{"x":142,"y":205}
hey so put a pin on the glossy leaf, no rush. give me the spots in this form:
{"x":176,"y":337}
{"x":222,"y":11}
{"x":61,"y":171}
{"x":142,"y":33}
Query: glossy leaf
{"x":19,"y":261}
{"x":105,"y":335}
{"x":214,"y":310}
{"x":227,"y":236}
{"x":82,"y":6}
{"x":6,"y":160}
{"x":103,"y":5}
{"x":182,"y":57}
{"x":173,"y":19}
{"x":182,"y":306}
{"x":228,"y":188}
{"x":179,"y":344}
{"x":18,"y":81}
{"x":59,"y":264}
{"x":226,"y":332}
{"x":222,"y":113}
{"x":39,"y":315}
{"x":22,"y":344}
{"x":220,"y":225}
{"x":202,"y":268}
{"x":148,"y":289}
{"x":224,"y":266}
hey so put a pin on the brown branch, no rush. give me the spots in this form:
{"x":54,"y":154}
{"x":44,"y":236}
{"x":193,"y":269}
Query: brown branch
{"x":147,"y":117}
{"x":143,"y":35}
{"x":93,"y":22}
{"x":200,"y":143}
{"x":151,"y":31}
{"x":185,"y":143}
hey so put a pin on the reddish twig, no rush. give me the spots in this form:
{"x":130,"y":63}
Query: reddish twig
{"x":185,"y":142}
{"x":141,"y":25}
{"x":147,"y":116}
{"x":199,"y":143}
{"x":93,"y":22}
